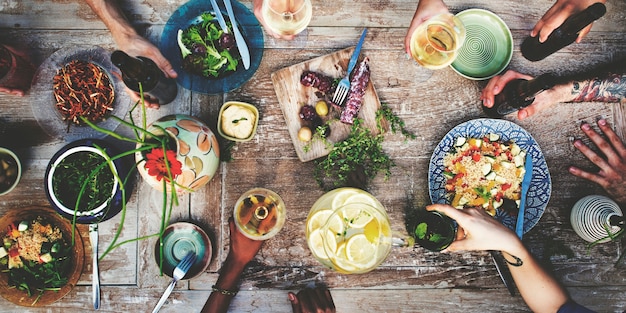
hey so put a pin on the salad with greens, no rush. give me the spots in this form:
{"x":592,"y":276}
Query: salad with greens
{"x":35,"y":256}
{"x":206,"y":49}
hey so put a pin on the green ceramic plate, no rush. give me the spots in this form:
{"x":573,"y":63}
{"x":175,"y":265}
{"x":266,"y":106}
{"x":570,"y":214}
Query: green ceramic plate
{"x":488,"y":46}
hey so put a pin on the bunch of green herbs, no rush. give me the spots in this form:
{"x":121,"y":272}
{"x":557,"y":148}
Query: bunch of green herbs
{"x":144,"y":141}
{"x":359,"y":158}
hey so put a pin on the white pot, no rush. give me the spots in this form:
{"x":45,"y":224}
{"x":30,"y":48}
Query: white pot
{"x":591,"y":214}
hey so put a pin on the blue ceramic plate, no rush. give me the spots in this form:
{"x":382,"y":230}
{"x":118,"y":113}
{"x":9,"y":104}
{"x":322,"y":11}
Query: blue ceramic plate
{"x":179,"y":239}
{"x":184,"y":17}
{"x":540,"y":185}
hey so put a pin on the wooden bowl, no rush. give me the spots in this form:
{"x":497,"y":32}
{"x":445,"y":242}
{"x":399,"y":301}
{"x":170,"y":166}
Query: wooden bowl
{"x":19,"y":297}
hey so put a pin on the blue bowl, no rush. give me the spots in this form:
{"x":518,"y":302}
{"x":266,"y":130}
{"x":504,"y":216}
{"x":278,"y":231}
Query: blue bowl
{"x":105,"y":210}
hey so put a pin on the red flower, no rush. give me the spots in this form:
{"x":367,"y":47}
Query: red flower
{"x":156,"y":166}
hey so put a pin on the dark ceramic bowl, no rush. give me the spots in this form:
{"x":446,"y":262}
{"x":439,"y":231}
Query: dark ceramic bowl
{"x":112,"y":202}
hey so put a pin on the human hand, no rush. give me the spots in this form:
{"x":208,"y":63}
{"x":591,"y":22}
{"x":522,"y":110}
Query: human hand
{"x":558,"y":93}
{"x":242,"y":248}
{"x":135,"y":45}
{"x":19,"y":91}
{"x":425,"y":10}
{"x":557,"y":14}
{"x":480,"y":231}
{"x":612,"y":173}
{"x":316,"y":299}
{"x":257,"y":6}
{"x":13,"y":91}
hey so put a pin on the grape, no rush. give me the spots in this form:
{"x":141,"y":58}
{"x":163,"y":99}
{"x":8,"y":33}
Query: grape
{"x":307,"y":113}
{"x":226,"y":41}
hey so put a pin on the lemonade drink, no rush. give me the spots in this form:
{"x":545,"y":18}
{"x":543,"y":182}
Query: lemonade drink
{"x":348,"y":231}
{"x":259,"y":213}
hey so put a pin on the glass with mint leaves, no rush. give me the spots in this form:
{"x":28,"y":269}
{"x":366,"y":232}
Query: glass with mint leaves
{"x":433,"y":230}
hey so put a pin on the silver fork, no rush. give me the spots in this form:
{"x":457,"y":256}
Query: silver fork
{"x":344,"y":85}
{"x":179,"y":272}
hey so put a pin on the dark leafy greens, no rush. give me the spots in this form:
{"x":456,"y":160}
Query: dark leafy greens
{"x":213,"y":51}
{"x":46,"y":270}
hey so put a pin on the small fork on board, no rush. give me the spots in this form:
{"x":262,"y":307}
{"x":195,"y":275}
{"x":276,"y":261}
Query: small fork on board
{"x":344,"y":85}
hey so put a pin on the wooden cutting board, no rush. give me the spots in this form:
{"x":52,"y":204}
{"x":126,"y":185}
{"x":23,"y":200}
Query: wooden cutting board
{"x":292,"y":95}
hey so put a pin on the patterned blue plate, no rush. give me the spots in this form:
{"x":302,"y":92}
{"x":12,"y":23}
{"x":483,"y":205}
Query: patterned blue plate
{"x":186,"y":15}
{"x":540,"y":185}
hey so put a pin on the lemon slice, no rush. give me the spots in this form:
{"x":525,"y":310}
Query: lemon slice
{"x":317,"y":220}
{"x":360,"y":250}
{"x":316,"y":244}
{"x":320,"y":218}
{"x":363,"y":198}
{"x":341,"y":197}
{"x":355,"y":215}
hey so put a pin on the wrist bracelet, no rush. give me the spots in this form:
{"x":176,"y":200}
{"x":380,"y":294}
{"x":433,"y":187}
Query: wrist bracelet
{"x":225,"y":292}
{"x":518,"y":261}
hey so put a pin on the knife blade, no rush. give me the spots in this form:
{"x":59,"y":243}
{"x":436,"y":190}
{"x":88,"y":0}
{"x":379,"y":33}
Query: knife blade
{"x":357,"y":51}
{"x":528,"y":175}
{"x":95,"y":277}
{"x":503,"y":272}
{"x":219,"y":16}
{"x":241,"y":43}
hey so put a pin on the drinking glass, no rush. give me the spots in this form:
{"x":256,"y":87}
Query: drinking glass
{"x":287,"y":17}
{"x":259,"y":213}
{"x":436,"y":42}
{"x":434,"y":231}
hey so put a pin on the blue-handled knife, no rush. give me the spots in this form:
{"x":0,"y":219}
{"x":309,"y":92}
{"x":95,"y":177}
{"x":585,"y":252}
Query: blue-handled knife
{"x":357,"y":51}
{"x":241,"y":43}
{"x":528,"y":175}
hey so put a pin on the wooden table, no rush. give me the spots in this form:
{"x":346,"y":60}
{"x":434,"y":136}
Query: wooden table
{"x":430,"y":102}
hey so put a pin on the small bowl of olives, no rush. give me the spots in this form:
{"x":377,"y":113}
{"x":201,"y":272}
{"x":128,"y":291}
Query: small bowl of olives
{"x":10,"y":170}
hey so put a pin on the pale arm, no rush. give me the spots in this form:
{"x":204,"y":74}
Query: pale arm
{"x":425,"y":10}
{"x":557,"y":14}
{"x":540,"y":291}
{"x":129,"y":41}
{"x":604,"y":87}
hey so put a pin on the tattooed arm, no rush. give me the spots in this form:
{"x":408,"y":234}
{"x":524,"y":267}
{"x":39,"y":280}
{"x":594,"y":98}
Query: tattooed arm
{"x":601,"y":86}
{"x":610,"y":88}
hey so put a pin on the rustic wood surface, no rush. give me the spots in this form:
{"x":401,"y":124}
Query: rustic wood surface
{"x":430,"y":102}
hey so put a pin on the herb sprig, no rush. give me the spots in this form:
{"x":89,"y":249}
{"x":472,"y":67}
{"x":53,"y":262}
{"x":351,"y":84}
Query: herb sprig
{"x":360,"y":157}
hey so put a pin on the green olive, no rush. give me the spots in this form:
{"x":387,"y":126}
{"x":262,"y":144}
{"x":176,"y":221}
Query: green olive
{"x":321,"y":108}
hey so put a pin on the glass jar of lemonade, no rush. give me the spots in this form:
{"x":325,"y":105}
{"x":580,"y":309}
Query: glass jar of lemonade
{"x":348,"y":231}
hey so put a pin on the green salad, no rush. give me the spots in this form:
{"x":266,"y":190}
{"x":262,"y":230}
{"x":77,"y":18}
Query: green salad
{"x":35,"y":256}
{"x":206,"y":49}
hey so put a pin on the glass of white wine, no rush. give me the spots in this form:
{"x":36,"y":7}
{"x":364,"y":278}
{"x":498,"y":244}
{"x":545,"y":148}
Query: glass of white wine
{"x":287,"y":17}
{"x":259,"y":213}
{"x":436,"y":42}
